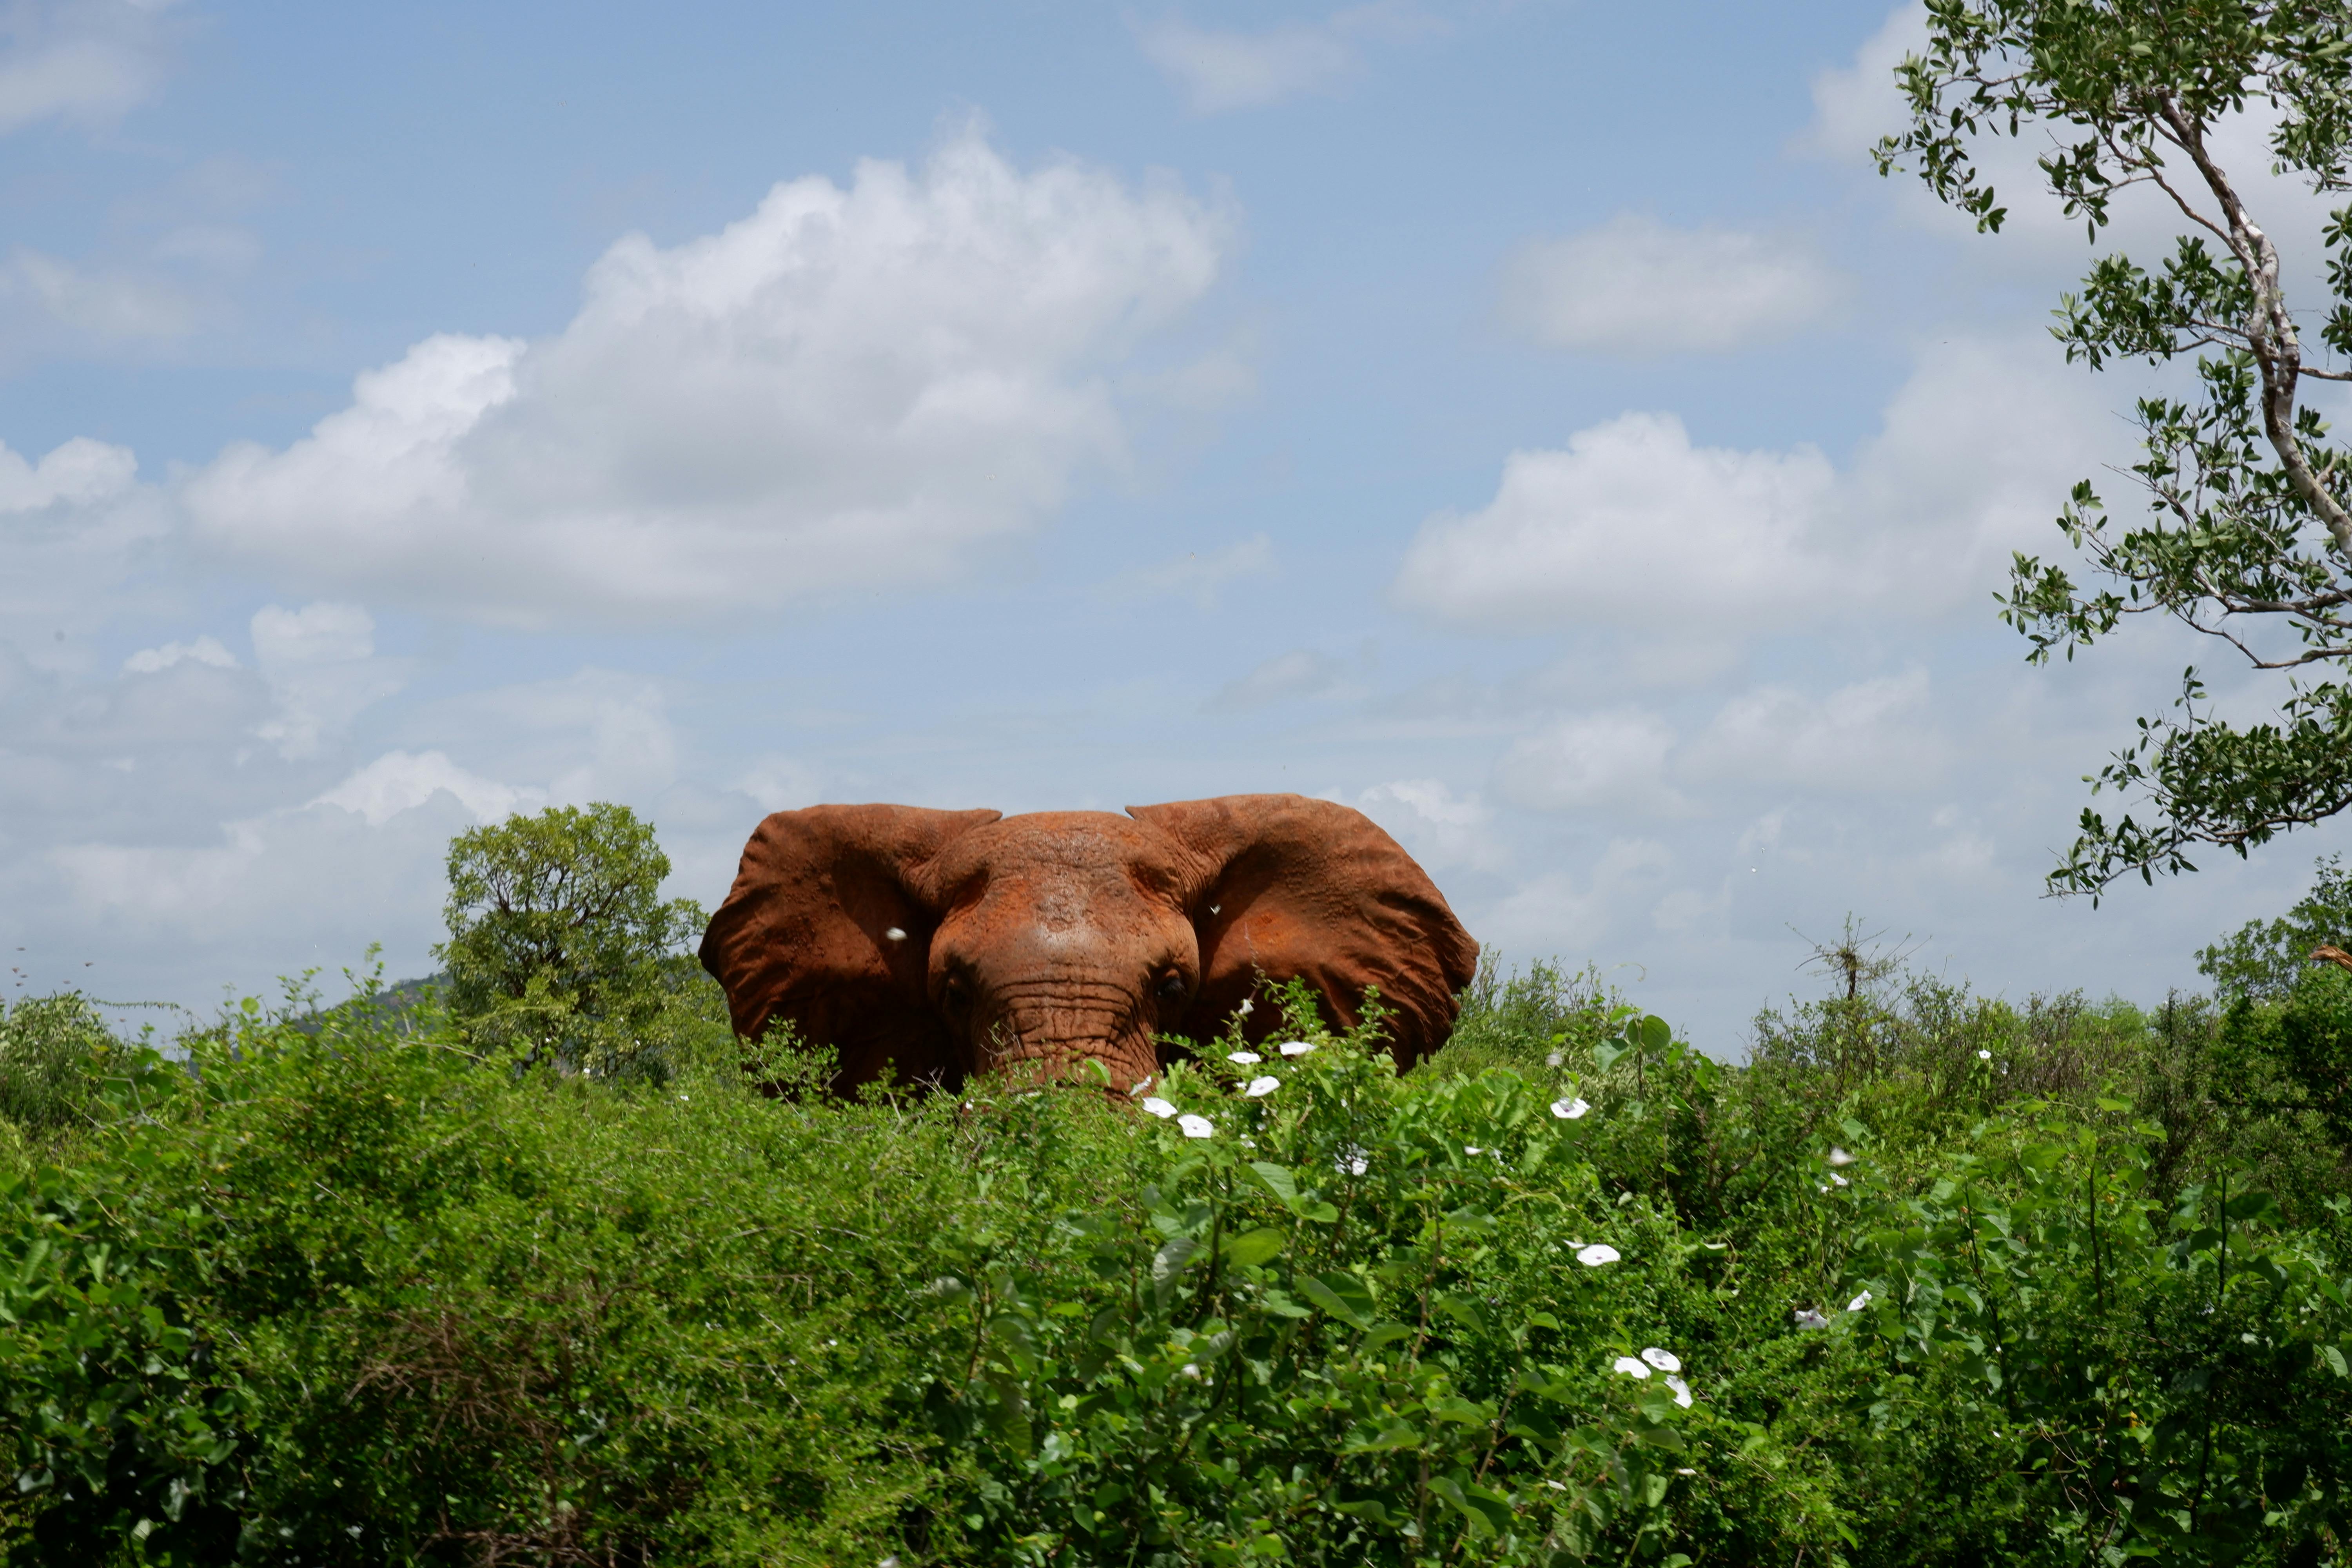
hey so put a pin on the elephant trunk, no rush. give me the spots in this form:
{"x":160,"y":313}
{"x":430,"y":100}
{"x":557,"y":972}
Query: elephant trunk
{"x":1052,"y":1032}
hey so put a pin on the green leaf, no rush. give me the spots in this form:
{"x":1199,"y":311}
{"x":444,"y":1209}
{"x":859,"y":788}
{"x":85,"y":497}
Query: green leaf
{"x":1169,"y":1260}
{"x":1251,"y":1248}
{"x":1379,"y":1334}
{"x":1281,"y":1304}
{"x":1341,"y":1295}
{"x":1467,"y":1312}
{"x":1278,"y":1180}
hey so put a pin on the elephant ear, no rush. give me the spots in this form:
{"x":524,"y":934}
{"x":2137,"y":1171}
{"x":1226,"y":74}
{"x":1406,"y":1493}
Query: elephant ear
{"x":1294,"y":888}
{"x":805,"y":936}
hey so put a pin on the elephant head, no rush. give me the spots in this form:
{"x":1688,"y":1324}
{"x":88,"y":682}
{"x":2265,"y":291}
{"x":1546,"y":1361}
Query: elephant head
{"x":935,"y":944}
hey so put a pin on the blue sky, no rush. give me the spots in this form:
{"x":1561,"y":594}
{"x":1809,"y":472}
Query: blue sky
{"x":1531,"y":423}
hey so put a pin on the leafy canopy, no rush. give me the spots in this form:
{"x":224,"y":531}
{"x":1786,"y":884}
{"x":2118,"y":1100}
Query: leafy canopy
{"x":558,"y":933}
{"x":2245,"y":537}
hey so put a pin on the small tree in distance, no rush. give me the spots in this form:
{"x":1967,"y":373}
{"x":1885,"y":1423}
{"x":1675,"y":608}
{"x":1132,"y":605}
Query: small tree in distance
{"x":560,"y":942}
{"x":2247,"y":537}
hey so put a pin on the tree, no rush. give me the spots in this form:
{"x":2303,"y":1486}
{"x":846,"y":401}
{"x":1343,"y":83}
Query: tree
{"x":2267,"y":958}
{"x":560,"y":941}
{"x":2246,"y":536}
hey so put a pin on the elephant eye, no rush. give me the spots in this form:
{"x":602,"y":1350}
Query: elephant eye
{"x":1172,"y":988}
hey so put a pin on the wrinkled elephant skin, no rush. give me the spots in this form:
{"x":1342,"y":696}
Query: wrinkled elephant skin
{"x":929,"y":945}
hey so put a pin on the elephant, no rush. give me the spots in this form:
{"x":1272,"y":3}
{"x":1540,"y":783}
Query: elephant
{"x":934,"y":945}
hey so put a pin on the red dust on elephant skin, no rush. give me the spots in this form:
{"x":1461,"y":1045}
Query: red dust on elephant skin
{"x":931,"y":945}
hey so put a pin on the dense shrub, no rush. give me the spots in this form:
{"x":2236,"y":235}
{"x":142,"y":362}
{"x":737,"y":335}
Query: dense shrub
{"x":345,"y":1289}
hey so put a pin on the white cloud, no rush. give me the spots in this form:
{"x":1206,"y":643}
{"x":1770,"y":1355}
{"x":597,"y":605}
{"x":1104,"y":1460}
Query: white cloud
{"x":1612,"y":760}
{"x":79,"y":60}
{"x":73,"y":528}
{"x":1196,"y":576}
{"x":1872,"y":737}
{"x":1855,"y":104}
{"x":403,"y":781}
{"x":1976,"y":455}
{"x":1300,"y":675}
{"x":80,"y":472}
{"x":203,"y":650}
{"x":321,"y":663}
{"x":594,"y":735}
{"x":1628,"y":517}
{"x":1634,"y":286}
{"x":1559,"y":912}
{"x":1219,"y":70}
{"x":780,"y":784}
{"x":113,"y":305}
{"x":1437,"y":828}
{"x":848,"y":389}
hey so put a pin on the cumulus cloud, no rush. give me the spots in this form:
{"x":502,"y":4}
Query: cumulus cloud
{"x":203,"y":650}
{"x":1219,"y":70}
{"x":1611,"y":760}
{"x":403,"y":781}
{"x":780,"y":784}
{"x":321,"y":663}
{"x":1629,"y":515}
{"x":73,"y":526}
{"x":110,"y":305}
{"x":80,"y":472}
{"x":1437,"y":828}
{"x":1300,"y":675}
{"x":1556,"y":912}
{"x":1636,"y":287}
{"x":79,"y":60}
{"x":594,"y":735}
{"x":1874,"y":736}
{"x":1974,"y":456}
{"x":850,"y":388}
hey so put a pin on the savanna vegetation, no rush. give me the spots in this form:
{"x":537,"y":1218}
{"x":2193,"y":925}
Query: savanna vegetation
{"x":519,"y":1268}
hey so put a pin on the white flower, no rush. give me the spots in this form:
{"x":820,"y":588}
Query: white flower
{"x":1159,"y":1107}
{"x":1243,"y":1010}
{"x":1189,"y":1370}
{"x":1683,"y":1398}
{"x":1195,"y":1126}
{"x":1629,"y":1366}
{"x":1808,"y":1319}
{"x":1859,"y":1302}
{"x":1472,"y":1149}
{"x":1839,"y":1157}
{"x":1984,"y":1056}
{"x":1351,"y":1162}
{"x":1841,"y":1181}
{"x":1554,"y":1059}
{"x":1296,"y":1047}
{"x":1259,"y":1086}
{"x":1247,"y":1059}
{"x":1665,"y":1360}
{"x":1599,"y":1253}
{"x":1567,"y":1108}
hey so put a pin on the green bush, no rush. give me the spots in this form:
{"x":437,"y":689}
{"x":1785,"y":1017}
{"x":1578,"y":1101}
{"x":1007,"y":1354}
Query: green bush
{"x":54,"y":1052}
{"x":343,"y":1289}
